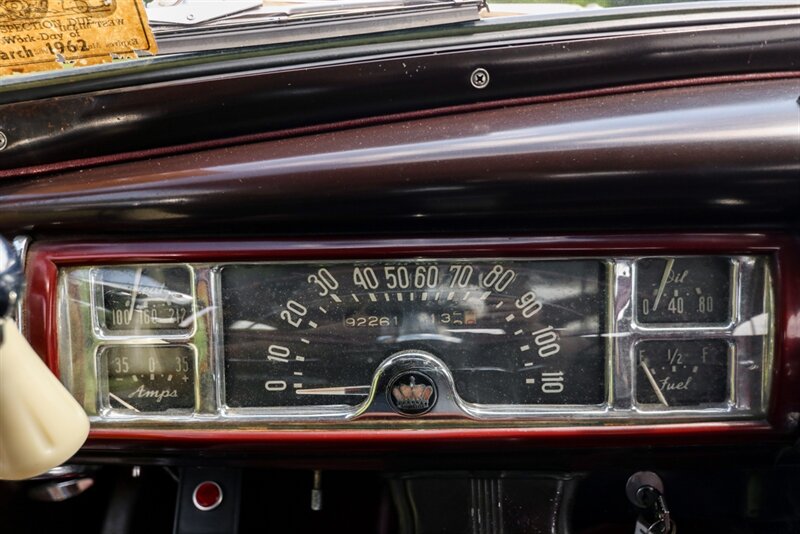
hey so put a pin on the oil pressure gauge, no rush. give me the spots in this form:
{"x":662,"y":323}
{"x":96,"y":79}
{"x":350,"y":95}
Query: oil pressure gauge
{"x":683,"y":290}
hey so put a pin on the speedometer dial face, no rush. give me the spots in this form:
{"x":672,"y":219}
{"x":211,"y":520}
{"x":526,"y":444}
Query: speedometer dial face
{"x":510,"y":332}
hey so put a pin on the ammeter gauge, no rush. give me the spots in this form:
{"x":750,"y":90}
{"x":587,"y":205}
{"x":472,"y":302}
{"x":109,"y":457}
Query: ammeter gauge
{"x":149,"y":378}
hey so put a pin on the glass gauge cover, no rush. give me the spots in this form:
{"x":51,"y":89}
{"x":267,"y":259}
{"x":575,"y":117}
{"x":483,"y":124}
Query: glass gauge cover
{"x":683,"y":290}
{"x":511,"y":332}
{"x":146,"y":300}
{"x":682,"y":373}
{"x":153,"y":378}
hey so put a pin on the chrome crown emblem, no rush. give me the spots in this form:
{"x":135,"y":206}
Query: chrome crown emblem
{"x":412,"y":393}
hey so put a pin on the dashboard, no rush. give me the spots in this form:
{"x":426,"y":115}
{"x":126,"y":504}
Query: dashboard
{"x":473,"y":309}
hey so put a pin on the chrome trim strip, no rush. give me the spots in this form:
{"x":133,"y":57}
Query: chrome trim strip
{"x":21,"y":244}
{"x":206,"y":383}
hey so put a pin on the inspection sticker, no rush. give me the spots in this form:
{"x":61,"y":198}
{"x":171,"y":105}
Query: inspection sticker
{"x":40,"y":35}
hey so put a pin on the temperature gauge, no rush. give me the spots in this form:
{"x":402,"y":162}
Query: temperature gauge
{"x":147,"y":300}
{"x":683,"y":290}
{"x":149,"y":378}
{"x":682,"y":373}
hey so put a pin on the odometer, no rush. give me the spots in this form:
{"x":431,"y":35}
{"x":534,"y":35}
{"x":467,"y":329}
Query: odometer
{"x":510,"y":332}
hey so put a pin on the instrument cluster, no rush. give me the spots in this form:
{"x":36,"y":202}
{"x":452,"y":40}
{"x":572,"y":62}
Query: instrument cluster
{"x":537,"y":340}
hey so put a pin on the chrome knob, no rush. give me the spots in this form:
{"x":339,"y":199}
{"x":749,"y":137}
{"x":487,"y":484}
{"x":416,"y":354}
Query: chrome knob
{"x":11,"y":278}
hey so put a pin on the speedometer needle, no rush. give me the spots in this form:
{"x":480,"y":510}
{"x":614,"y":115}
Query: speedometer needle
{"x":653,"y":383}
{"x":340,"y":390}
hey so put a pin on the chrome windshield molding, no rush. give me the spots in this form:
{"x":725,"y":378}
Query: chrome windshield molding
{"x":749,"y":335}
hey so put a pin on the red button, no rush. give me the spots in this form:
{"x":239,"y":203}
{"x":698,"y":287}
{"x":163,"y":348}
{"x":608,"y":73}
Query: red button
{"x":207,"y":496}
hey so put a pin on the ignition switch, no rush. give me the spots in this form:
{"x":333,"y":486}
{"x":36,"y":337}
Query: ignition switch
{"x":645,"y":490}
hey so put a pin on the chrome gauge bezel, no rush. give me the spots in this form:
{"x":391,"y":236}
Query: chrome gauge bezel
{"x":733,"y":312}
{"x":80,"y":340}
{"x":106,"y":334}
{"x":347,"y":412}
{"x":104,"y":406}
{"x":722,"y":407}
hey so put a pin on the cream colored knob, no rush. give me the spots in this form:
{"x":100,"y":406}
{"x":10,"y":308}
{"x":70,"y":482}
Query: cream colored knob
{"x":41,"y":424}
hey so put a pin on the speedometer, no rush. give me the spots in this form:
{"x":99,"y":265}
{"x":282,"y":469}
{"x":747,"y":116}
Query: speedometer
{"x":510,"y":332}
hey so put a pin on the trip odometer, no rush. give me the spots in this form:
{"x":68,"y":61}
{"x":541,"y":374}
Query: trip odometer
{"x":510,"y":332}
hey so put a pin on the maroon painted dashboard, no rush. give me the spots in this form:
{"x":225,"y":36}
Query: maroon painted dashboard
{"x":697,"y":166}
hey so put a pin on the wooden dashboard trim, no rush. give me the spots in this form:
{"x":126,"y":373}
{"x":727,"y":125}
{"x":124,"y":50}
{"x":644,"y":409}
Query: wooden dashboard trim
{"x":45,"y":259}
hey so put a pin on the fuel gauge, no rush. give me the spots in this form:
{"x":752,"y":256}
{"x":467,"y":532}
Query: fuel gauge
{"x":682,"y":373}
